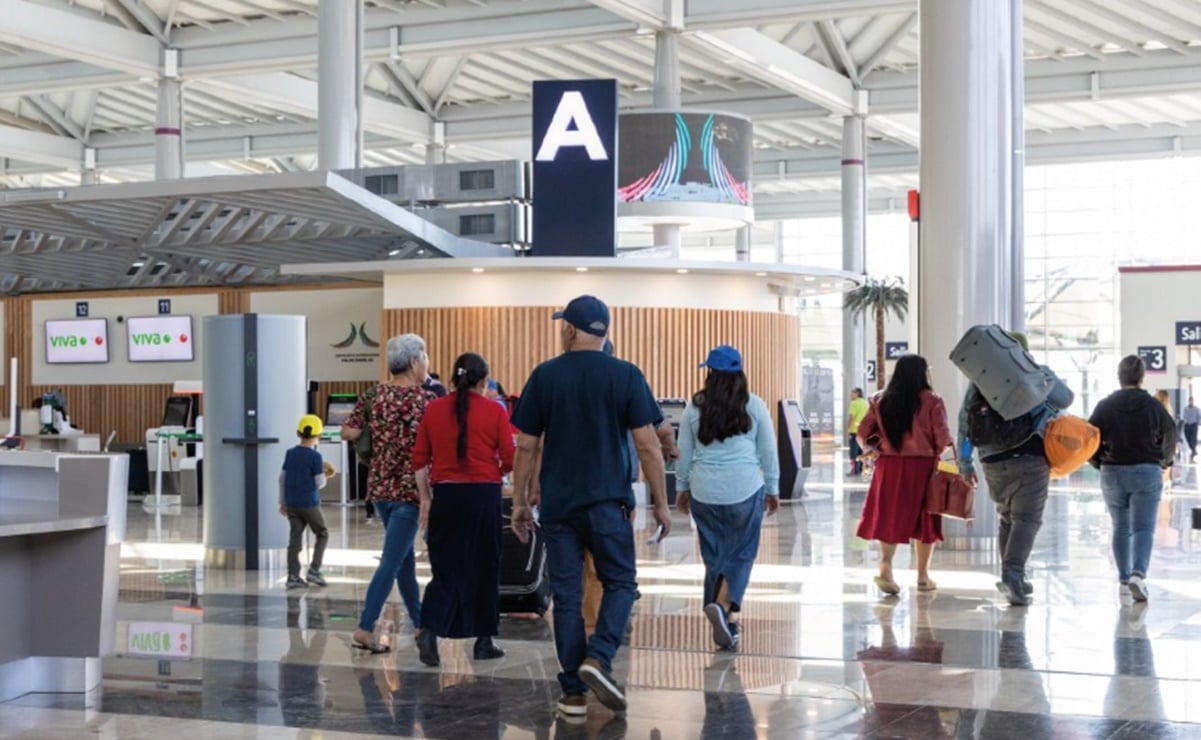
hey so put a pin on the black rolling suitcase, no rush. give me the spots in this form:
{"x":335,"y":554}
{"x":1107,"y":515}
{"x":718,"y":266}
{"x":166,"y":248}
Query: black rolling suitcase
{"x":524,"y":583}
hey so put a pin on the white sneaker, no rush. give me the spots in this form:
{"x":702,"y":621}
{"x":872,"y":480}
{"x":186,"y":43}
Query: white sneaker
{"x":1138,"y":589}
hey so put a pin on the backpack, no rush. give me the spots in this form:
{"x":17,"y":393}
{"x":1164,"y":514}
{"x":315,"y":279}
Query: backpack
{"x":1004,"y":373}
{"x":362,"y":445}
{"x":986,"y":428}
{"x":1069,"y":441}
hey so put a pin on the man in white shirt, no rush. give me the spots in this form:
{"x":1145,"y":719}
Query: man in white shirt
{"x":1192,"y":417}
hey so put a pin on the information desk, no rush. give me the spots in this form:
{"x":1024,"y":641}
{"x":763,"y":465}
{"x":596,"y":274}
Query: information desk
{"x":62,"y":520}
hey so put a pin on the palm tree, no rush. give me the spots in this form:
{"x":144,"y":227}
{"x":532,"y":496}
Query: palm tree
{"x":880,"y":297}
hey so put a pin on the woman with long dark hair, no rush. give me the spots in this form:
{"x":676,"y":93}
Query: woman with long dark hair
{"x":907,"y":426}
{"x":465,"y":441}
{"x":727,"y":475}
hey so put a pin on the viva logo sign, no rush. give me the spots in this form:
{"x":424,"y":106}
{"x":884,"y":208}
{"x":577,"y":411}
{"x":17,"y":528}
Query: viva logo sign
{"x":359,"y":332}
{"x":148,"y":338}
{"x":74,"y":341}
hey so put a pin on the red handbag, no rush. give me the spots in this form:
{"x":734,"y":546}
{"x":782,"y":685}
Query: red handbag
{"x":950,"y":495}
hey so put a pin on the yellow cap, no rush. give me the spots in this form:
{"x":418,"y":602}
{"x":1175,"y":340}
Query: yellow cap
{"x":310,"y":426}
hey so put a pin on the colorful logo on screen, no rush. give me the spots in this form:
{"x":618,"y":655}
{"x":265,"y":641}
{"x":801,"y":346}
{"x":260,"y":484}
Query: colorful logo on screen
{"x":74,"y":341}
{"x":707,"y":159}
{"x":158,"y":338}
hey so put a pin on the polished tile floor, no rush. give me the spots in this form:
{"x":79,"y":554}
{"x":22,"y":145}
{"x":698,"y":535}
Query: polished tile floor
{"x":824,"y":654}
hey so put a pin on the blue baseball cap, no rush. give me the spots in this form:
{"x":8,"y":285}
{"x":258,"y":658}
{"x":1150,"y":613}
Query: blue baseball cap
{"x":586,"y":313}
{"x":723,"y":358}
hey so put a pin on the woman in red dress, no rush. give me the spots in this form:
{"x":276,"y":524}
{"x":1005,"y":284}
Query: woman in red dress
{"x":907,"y":426}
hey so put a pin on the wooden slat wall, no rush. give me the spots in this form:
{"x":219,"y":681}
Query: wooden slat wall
{"x":666,"y":343}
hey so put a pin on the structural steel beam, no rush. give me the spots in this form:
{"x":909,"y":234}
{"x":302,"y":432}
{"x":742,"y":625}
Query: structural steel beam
{"x":296,"y":95}
{"x":33,"y":146}
{"x":762,"y":58}
{"x":72,"y":36}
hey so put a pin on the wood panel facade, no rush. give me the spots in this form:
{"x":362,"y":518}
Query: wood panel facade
{"x":666,"y":343}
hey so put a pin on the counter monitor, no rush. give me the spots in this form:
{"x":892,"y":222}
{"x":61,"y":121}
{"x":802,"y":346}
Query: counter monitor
{"x":76,"y":341}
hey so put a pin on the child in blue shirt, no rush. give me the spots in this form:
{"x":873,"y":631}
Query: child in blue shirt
{"x":303,"y":475}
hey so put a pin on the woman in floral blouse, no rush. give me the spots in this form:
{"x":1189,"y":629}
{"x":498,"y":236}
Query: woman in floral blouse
{"x":393,"y":412}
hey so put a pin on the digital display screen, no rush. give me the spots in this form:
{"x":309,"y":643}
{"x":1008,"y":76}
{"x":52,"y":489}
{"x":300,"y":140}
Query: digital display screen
{"x":179,"y":409}
{"x":76,"y":341}
{"x":684,"y":157}
{"x":338,"y":410}
{"x":160,"y":339}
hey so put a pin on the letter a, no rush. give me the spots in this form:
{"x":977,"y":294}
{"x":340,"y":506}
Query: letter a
{"x":571,"y":108}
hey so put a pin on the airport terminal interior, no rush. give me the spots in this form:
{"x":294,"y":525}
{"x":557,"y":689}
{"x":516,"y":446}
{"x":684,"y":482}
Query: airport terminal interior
{"x":214,"y":214}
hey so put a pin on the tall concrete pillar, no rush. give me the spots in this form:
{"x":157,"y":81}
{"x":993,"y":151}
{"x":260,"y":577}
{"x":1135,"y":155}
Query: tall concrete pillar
{"x":854,"y":247}
{"x":666,"y":96}
{"x":339,"y":44}
{"x":968,"y":271}
{"x":168,"y":130}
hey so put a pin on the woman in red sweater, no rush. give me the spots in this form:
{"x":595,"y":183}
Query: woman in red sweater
{"x":465,"y":441}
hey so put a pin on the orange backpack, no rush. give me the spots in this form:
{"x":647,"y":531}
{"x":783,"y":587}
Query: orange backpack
{"x":1069,"y":442}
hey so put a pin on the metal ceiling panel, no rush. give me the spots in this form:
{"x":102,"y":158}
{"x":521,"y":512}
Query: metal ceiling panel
{"x":205,"y":230}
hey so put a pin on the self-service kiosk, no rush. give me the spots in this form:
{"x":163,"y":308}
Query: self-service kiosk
{"x":338,"y":408}
{"x":673,"y":412}
{"x":172,"y":447}
{"x":794,"y":442}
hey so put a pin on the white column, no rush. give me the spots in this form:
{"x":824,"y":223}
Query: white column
{"x":742,"y":246}
{"x":87,"y":173}
{"x":966,"y":272}
{"x":435,"y":151}
{"x":666,"y":96}
{"x":338,"y":83}
{"x":965,"y":263}
{"x":854,"y":247}
{"x":168,"y":130}
{"x":1017,"y":234}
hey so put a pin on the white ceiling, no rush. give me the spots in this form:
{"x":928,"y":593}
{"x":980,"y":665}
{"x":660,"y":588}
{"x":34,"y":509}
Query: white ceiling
{"x":1104,"y":78}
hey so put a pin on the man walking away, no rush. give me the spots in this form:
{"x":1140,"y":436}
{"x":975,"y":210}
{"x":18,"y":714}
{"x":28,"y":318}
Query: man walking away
{"x":585,"y":402}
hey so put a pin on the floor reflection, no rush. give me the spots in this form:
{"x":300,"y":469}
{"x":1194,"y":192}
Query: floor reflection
{"x":823,"y":654}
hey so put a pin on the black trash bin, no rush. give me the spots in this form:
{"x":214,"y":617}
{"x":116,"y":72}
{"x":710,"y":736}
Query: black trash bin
{"x":139,"y":471}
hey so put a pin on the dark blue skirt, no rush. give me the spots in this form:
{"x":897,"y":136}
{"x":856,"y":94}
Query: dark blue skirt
{"x":463,"y":598}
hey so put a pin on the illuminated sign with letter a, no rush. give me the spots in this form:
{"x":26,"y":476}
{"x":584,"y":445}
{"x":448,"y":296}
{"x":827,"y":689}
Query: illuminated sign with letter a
{"x":575,"y":168}
{"x":572,"y":110}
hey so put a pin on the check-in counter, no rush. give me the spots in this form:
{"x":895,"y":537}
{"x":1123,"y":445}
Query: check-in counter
{"x":62,"y":520}
{"x":63,"y":442}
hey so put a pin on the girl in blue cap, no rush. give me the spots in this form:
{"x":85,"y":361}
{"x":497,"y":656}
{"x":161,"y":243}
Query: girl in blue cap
{"x":727,"y":476}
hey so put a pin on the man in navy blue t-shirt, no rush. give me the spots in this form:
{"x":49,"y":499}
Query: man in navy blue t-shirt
{"x":583,"y":403}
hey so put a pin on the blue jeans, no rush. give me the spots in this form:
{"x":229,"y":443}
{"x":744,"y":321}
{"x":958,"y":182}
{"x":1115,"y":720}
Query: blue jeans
{"x":729,"y":539}
{"x":1132,"y":494}
{"x":396,"y":564}
{"x":854,"y":450}
{"x":604,"y":530}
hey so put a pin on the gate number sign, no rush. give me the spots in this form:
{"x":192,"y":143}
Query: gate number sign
{"x":1155,"y":358}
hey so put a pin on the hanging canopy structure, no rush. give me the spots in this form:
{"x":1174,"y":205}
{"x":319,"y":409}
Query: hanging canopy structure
{"x":205,"y":231}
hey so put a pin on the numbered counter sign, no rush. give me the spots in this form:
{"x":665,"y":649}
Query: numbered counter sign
{"x":1155,"y":358}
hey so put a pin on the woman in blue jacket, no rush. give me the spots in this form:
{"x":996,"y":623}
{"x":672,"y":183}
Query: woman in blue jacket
{"x":727,"y":475}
